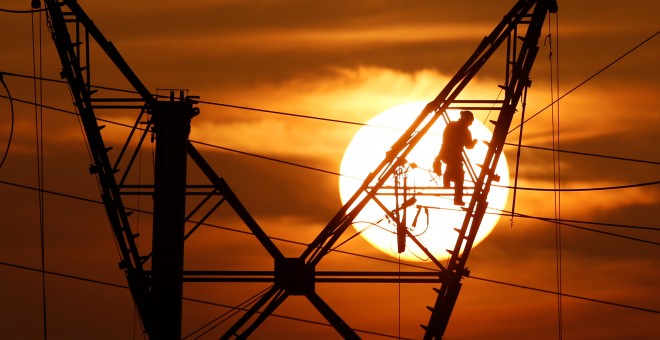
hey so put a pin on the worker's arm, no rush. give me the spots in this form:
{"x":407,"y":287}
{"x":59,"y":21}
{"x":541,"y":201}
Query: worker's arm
{"x":469,"y":142}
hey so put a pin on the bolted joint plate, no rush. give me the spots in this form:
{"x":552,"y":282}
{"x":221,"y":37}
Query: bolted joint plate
{"x":294,"y":276}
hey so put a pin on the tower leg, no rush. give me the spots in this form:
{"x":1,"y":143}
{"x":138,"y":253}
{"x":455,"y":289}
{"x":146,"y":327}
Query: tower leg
{"x":172,"y":126}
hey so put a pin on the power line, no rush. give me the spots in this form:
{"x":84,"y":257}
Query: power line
{"x":615,"y":187}
{"x":585,"y":154}
{"x":267,"y":158}
{"x":588,"y":79}
{"x":115,"y":285}
{"x":18,"y":11}
{"x":282,"y":113}
{"x":329,"y":120}
{"x":564,"y":294}
{"x":38,"y":117}
{"x":504,"y":213}
{"x":332,"y":120}
{"x":568,"y":223}
{"x":338,"y":174}
{"x":11,"y":128}
{"x":559,"y":221}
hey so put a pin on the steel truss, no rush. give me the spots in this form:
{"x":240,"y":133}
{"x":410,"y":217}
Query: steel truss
{"x":156,"y":279}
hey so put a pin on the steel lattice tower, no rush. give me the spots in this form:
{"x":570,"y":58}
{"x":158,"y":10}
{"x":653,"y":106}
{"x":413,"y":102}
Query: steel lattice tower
{"x":156,"y":278}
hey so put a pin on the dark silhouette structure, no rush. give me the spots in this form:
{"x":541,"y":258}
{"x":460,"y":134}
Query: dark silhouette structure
{"x":455,"y":137}
{"x":156,"y":278}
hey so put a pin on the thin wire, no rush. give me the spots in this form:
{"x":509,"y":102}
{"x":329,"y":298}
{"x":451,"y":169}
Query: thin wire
{"x":517,"y":171}
{"x":281,"y":113}
{"x":318,"y":118}
{"x":502,"y":213}
{"x":38,"y":116}
{"x":270,"y":159}
{"x":42,"y":216}
{"x":338,"y":174}
{"x":613,"y":187}
{"x":11,"y":128}
{"x":586,"y":154}
{"x":115,"y":285}
{"x":230,"y":313}
{"x":560,"y":289}
{"x":556,"y":181}
{"x":354,"y":123}
{"x":16,"y":11}
{"x":499,"y":212}
{"x":276,"y":160}
{"x":590,"y":78}
{"x":104,"y":283}
{"x":565,"y":295}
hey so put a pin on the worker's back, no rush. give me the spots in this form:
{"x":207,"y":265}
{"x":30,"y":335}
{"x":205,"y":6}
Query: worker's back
{"x":455,"y":137}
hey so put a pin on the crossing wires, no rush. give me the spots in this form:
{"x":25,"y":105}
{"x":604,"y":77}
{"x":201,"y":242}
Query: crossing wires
{"x":37,"y":71}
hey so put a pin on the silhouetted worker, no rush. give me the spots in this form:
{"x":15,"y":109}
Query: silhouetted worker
{"x":455,"y":137}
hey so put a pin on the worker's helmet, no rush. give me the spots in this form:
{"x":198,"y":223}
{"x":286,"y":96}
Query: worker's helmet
{"x":467,"y":115}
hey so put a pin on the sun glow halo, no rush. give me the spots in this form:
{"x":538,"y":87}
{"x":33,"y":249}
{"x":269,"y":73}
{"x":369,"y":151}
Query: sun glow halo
{"x":437,"y":216}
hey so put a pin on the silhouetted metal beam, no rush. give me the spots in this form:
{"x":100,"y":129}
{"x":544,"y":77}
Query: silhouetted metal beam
{"x":320,"y":276}
{"x":234,"y":202}
{"x":333,"y":318}
{"x":172,"y":125}
{"x":233,"y":331}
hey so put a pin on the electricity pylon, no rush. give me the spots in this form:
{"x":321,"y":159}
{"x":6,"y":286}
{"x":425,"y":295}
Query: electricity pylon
{"x":156,"y":278}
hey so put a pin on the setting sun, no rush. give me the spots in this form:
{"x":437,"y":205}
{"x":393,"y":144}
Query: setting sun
{"x":433,"y":216}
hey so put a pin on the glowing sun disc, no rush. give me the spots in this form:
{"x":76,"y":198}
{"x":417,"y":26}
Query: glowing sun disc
{"x":436,"y":215}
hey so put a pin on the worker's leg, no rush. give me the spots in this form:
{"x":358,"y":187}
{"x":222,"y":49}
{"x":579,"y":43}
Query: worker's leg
{"x":458,"y":186}
{"x":450,"y":174}
{"x":446,"y":181}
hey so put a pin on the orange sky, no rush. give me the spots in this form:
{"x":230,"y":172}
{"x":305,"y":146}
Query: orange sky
{"x":343,"y":60}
